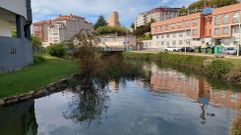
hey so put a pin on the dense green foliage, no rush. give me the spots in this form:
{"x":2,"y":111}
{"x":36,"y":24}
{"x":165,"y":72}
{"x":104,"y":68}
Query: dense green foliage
{"x":192,"y":62}
{"x":219,"y":68}
{"x":202,"y":3}
{"x":108,"y":30}
{"x":143,"y":32}
{"x":100,"y":22}
{"x":38,"y":75}
{"x":37,"y":43}
{"x":37,"y":59}
{"x":56,"y":50}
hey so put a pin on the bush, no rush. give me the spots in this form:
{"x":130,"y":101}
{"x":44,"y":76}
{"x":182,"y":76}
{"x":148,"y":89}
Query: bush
{"x":219,"y":68}
{"x":56,"y":50}
{"x":38,"y":59}
{"x":234,"y":76}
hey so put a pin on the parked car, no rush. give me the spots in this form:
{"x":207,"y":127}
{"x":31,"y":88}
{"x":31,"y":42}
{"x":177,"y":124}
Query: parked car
{"x":188,"y":49}
{"x":172,"y":49}
{"x":230,"y":50}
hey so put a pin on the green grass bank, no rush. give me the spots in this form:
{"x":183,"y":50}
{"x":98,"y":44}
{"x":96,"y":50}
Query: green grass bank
{"x":45,"y":70}
{"x":227,"y":69}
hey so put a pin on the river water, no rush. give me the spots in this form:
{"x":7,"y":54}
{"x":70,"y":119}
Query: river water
{"x":165,"y":102}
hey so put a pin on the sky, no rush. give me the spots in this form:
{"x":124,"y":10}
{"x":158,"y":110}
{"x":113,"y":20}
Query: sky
{"x":92,"y":9}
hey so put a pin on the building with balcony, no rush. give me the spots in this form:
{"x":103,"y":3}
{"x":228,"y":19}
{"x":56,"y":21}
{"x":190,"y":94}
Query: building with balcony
{"x":15,"y":52}
{"x":41,"y":30}
{"x":219,"y":26}
{"x":157,"y":14}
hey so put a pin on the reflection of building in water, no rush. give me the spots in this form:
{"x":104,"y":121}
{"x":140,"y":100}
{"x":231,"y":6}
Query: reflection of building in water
{"x":18,"y":119}
{"x":114,"y":85}
{"x":197,"y":89}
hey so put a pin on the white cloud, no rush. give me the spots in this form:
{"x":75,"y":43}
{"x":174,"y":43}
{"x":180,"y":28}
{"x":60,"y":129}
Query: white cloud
{"x":91,"y":9}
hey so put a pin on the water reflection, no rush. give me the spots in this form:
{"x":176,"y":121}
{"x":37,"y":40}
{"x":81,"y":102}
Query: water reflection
{"x":196,"y":88}
{"x":18,"y":119}
{"x":125,"y":99}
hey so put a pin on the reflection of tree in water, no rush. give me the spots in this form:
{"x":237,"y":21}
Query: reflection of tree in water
{"x":88,"y":103}
{"x":90,"y":86}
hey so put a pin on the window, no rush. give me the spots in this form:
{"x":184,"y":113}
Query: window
{"x":174,"y":42}
{"x":173,"y":35}
{"x":180,"y":34}
{"x":180,"y":42}
{"x":194,"y":32}
{"x":179,"y":25}
{"x":167,"y":43}
{"x":236,"y":18}
{"x":157,"y":37}
{"x":217,"y":20}
{"x":166,"y":27}
{"x":235,"y":30}
{"x":225,"y":41}
{"x":225,"y":19}
{"x":226,"y":30}
{"x":162,"y":43}
{"x":167,"y":35}
{"x":160,"y":28}
{"x":173,"y":26}
{"x":162,"y":36}
{"x":194,"y":23}
{"x":217,"y":31}
{"x":188,"y":33}
{"x":187,"y":23}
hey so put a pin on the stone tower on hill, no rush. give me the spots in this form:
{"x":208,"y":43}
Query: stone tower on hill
{"x":114,"y":19}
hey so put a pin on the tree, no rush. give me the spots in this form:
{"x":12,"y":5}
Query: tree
{"x":133,"y":26}
{"x":100,"y":22}
{"x":37,"y":43}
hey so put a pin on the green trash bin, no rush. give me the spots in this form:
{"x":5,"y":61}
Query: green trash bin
{"x":210,"y":50}
{"x":197,"y":49}
{"x":204,"y":49}
{"x":218,"y":49}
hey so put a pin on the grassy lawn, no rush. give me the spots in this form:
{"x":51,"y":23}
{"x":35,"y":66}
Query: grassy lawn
{"x":36,"y":76}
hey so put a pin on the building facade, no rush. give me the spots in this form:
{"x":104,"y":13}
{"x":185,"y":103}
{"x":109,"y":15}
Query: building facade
{"x":114,"y":19}
{"x":15,"y":52}
{"x":156,"y":14}
{"x":41,"y":30}
{"x":220,"y":26}
{"x":61,"y":29}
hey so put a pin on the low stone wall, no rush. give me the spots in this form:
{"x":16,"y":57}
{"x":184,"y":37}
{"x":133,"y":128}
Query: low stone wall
{"x":15,"y":53}
{"x":49,"y":89}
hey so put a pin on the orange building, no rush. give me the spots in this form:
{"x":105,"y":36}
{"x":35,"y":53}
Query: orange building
{"x":41,"y":30}
{"x":114,"y":19}
{"x":219,"y":26}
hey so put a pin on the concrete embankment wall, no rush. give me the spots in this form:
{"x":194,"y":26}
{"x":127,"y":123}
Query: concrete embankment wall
{"x":15,"y":53}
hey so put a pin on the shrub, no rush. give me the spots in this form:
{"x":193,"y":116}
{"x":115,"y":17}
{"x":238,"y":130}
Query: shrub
{"x":219,"y":68}
{"x":38,"y":59}
{"x":234,"y":76}
{"x":56,"y":50}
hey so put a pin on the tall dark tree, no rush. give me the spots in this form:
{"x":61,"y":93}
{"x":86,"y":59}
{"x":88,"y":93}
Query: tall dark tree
{"x":100,"y":22}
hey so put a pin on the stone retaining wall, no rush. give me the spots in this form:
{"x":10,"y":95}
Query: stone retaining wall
{"x":49,"y":89}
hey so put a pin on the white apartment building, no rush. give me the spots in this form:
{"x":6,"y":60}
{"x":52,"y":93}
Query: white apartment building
{"x":157,"y":14}
{"x":60,"y":29}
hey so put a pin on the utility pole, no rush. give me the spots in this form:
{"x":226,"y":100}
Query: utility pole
{"x":239,"y":36}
